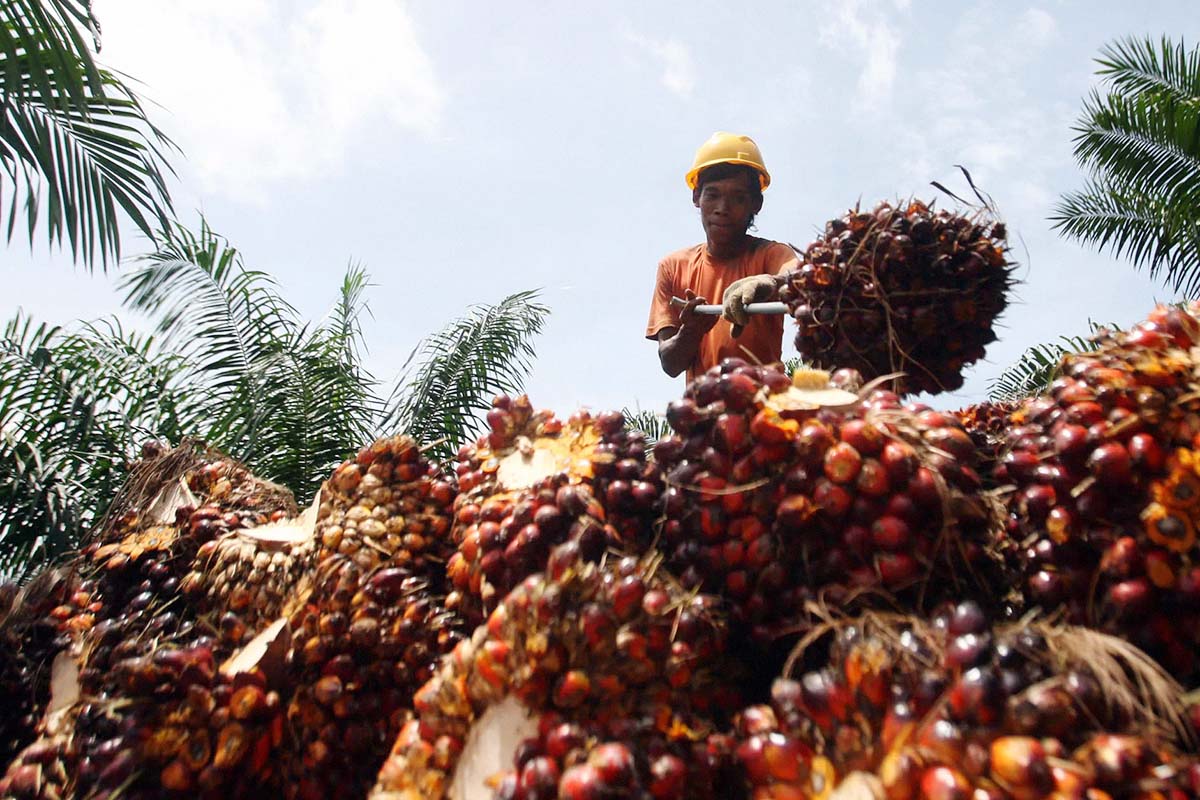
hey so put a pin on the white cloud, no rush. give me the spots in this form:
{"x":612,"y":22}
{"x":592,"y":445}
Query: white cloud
{"x":678,"y":68}
{"x":1038,"y":26}
{"x":864,"y":26}
{"x":258,"y":92}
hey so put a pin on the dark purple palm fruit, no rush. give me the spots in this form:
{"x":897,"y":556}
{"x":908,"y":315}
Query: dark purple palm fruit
{"x":535,"y":481}
{"x":1103,"y":482}
{"x":955,"y":705}
{"x":781,"y":491}
{"x":901,"y":289}
{"x":595,"y":643}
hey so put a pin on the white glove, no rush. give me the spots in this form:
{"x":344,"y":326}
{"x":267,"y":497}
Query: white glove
{"x":742,"y":292}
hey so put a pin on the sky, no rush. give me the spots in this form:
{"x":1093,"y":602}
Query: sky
{"x":462,"y":151}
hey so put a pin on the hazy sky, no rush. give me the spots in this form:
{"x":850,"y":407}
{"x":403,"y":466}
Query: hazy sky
{"x":465,"y":150}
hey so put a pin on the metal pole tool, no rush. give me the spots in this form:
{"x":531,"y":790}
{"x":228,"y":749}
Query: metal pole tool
{"x":752,"y":308}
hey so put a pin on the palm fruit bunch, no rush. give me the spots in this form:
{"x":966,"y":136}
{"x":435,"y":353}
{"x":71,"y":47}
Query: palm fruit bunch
{"x":961,"y":709}
{"x":783,"y":491}
{"x":251,"y":573}
{"x":590,"y":642}
{"x":388,"y":503}
{"x":174,"y":724}
{"x":1104,"y":472}
{"x":534,"y":481}
{"x":901,"y":289}
{"x":364,"y":643}
{"x":987,"y":424}
{"x":123,"y":627}
{"x":626,"y":758}
{"x":370,"y":628}
{"x":31,"y":634}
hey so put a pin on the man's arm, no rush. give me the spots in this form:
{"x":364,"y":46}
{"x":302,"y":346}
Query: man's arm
{"x":678,"y":347}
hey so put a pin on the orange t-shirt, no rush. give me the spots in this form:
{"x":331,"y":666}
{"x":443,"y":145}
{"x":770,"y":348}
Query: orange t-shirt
{"x":692,"y":268}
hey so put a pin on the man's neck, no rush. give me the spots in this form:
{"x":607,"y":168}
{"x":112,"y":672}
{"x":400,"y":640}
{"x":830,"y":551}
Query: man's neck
{"x":728,"y":250}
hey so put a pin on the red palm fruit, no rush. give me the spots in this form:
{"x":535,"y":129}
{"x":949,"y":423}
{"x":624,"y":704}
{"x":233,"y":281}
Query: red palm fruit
{"x":1018,"y":763}
{"x":873,"y":479}
{"x":581,"y":782}
{"x":1111,"y":465}
{"x":900,"y":773}
{"x":668,"y":777}
{"x":614,"y":762}
{"x":945,"y":783}
{"x":899,"y":460}
{"x":842,"y":463}
{"x":897,"y":569}
{"x":866,"y":439}
{"x":891,"y":534}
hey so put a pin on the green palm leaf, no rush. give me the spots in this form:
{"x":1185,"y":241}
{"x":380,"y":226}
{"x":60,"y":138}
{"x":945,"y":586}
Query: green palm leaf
{"x":450,"y":378}
{"x":74,"y":408}
{"x":228,"y":322}
{"x":1138,"y":67}
{"x":1163,"y":237}
{"x":323,"y":402}
{"x":73,"y":138}
{"x":1038,"y":366}
{"x":1140,"y":144}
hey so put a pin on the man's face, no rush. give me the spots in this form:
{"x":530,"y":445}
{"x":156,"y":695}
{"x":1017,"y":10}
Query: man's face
{"x":727,"y":205}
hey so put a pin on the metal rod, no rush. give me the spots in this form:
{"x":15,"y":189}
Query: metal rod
{"x":752,"y":308}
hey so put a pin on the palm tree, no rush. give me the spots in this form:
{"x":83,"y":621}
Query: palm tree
{"x":75,"y":142}
{"x":1140,"y":145}
{"x":230,"y":362}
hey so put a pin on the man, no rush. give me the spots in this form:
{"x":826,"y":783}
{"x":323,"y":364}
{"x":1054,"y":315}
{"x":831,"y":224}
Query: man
{"x":727,"y":180}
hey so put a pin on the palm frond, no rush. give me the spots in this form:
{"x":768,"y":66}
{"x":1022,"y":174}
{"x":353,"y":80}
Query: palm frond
{"x":650,"y":423}
{"x":227,"y":321}
{"x":64,"y":32}
{"x":1139,"y":142}
{"x":74,"y":407}
{"x":73,"y":138}
{"x":451,"y":376}
{"x":1141,"y":66}
{"x":1162,"y":238}
{"x":1142,"y":142}
{"x":323,"y":402}
{"x":1038,"y":366}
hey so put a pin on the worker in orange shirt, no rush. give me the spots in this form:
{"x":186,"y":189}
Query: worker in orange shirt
{"x":727,"y":181}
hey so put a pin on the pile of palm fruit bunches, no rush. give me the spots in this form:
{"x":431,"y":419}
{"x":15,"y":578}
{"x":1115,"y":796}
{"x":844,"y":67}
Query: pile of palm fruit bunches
{"x":812,"y":587}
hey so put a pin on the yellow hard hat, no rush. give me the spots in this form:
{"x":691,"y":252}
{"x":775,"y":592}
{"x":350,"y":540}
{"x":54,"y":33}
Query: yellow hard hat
{"x":728,"y":148}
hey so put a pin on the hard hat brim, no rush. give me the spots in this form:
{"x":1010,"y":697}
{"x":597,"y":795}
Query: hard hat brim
{"x":764,"y":178}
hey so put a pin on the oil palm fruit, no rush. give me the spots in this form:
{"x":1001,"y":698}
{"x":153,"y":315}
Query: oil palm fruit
{"x":623,"y":758}
{"x":31,"y":634}
{"x":955,"y":706}
{"x":364,"y":642}
{"x":369,"y":623}
{"x":901,"y":289}
{"x":586,"y":641}
{"x":534,"y":481}
{"x":388,"y":503}
{"x":129,"y":644}
{"x":1104,"y":476}
{"x":787,"y":490}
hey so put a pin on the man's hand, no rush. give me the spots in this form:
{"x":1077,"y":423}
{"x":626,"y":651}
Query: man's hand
{"x":678,"y":347}
{"x":741,"y":293}
{"x":690,"y":321}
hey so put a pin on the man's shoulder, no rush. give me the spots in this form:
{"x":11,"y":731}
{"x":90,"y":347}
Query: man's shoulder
{"x":685,"y":255}
{"x":758,"y":243}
